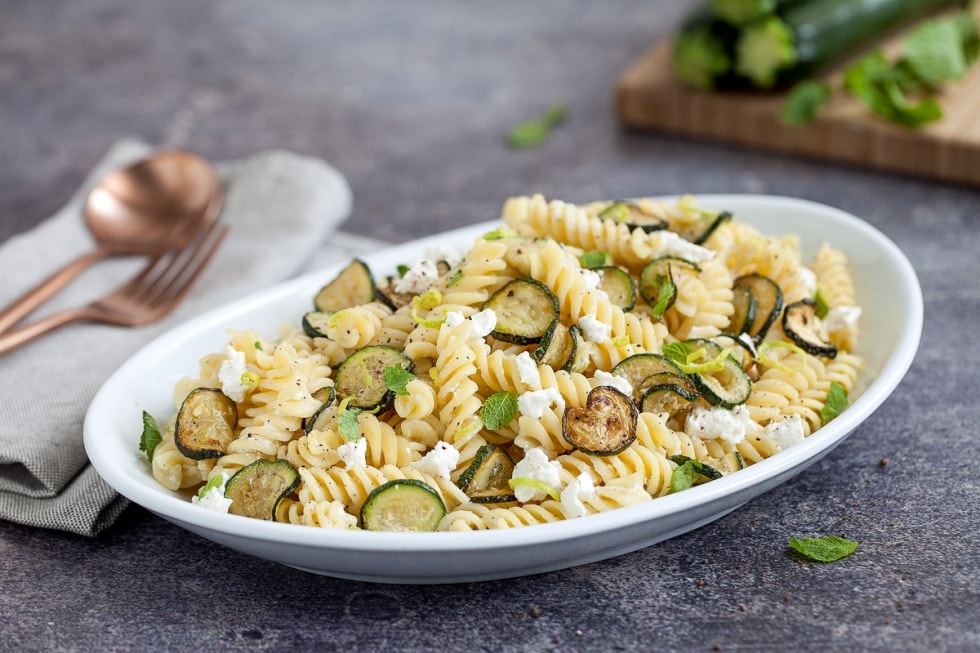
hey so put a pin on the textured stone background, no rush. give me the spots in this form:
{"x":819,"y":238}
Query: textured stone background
{"x":411,"y":104}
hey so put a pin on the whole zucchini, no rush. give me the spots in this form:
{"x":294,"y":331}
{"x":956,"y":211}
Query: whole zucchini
{"x":801,"y":38}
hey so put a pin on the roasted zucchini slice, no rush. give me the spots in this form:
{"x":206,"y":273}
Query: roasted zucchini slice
{"x":256,"y":489}
{"x":670,"y":398}
{"x":526,"y":309}
{"x":657,"y":286}
{"x":402,"y":505}
{"x":579,"y":360}
{"x":385,"y":293}
{"x":633,"y":216}
{"x":317,"y":421}
{"x":803,"y":327}
{"x":315,"y":324}
{"x":486,"y":479}
{"x":205,"y":424}
{"x":618,"y":284}
{"x":361,"y":377}
{"x":606,"y":424}
{"x":699,"y":231}
{"x":755,"y":313}
{"x":639,"y":367}
{"x":557,"y":347}
{"x":720,"y":378}
{"x":353,"y":286}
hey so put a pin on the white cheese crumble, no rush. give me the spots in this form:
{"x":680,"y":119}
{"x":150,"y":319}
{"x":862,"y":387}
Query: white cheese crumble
{"x":535,"y":466}
{"x":533,"y":404}
{"x":671,"y":244}
{"x":354,"y":453}
{"x":447,"y":254}
{"x":230,"y":374}
{"x":720,"y":424}
{"x":440,"y":461}
{"x":418,"y":277}
{"x":591,"y":278}
{"x":808,"y":281}
{"x":581,"y":488}
{"x":484,"y":322}
{"x":454,"y":319}
{"x":620,"y":383}
{"x":841,"y":317}
{"x":214,"y":499}
{"x":527,"y":370}
{"x":786,"y":432}
{"x":593,"y":329}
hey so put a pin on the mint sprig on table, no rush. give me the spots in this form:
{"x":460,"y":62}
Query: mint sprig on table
{"x":534,"y":132}
{"x":901,"y":91}
{"x":829,"y":548}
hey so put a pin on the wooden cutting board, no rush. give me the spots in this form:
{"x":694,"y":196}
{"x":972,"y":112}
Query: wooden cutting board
{"x":648,"y":96}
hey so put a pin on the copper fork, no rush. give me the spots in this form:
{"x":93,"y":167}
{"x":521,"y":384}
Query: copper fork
{"x":149,"y":296}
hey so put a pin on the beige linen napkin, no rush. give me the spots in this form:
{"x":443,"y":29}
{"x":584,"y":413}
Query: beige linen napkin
{"x":280,"y":206}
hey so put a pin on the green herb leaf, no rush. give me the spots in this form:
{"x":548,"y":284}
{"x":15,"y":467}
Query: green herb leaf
{"x":804,"y":102}
{"x":699,"y":58}
{"x":456,"y":278}
{"x":150,"y":437}
{"x":401,"y":268}
{"x":877,"y":84}
{"x":822,"y":307}
{"x":823,"y":549}
{"x":347,"y":421}
{"x":690,"y":472}
{"x":835,"y":404}
{"x":396,"y":378}
{"x":499,"y":409}
{"x":934,"y":51}
{"x":666,"y":292}
{"x":532,"y":133}
{"x":210,"y":485}
{"x":676,"y":351}
{"x":594,"y":259}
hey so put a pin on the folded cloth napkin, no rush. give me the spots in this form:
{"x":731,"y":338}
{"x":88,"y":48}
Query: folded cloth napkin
{"x":280,"y":207}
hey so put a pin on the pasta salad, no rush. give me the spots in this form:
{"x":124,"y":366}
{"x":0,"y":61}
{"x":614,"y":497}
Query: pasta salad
{"x":576,"y":359}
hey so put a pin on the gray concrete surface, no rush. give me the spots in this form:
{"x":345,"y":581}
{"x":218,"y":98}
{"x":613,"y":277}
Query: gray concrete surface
{"x":411,"y":103}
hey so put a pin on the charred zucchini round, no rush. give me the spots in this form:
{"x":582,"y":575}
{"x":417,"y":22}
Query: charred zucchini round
{"x":526,"y":309}
{"x":606,"y":424}
{"x":361,"y":377}
{"x":315,"y":324}
{"x":486,"y":479}
{"x":633,"y":216}
{"x":803,"y":327}
{"x":719,"y":377}
{"x":256,"y":489}
{"x":353,"y":286}
{"x":318,"y":420}
{"x":557,"y":347}
{"x":670,"y":398}
{"x":639,"y":367}
{"x":205,"y":424}
{"x":657,"y":286}
{"x":402,"y":505}
{"x":618,"y":284}
{"x":758,"y":302}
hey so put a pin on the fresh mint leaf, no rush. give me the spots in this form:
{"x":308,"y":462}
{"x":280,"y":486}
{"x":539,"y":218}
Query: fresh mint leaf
{"x":690,"y":472}
{"x":876,"y":83}
{"x":396,"y":378}
{"x":804,"y":102}
{"x":823,"y":549}
{"x":594,"y":259}
{"x":822,"y":307}
{"x":934,"y":51}
{"x":534,"y":132}
{"x":347,"y":422}
{"x":401,"y":268}
{"x":210,"y":485}
{"x":499,"y":410}
{"x":676,"y":351}
{"x":150,"y":437}
{"x":835,"y":404}
{"x":666,"y":292}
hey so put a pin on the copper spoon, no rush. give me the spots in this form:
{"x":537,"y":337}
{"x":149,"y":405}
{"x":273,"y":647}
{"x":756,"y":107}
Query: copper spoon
{"x":146,"y":208}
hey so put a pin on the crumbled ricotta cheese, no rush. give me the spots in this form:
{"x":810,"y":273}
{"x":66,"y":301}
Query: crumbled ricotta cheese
{"x":591,"y":278}
{"x":534,"y":403}
{"x":418,"y":277}
{"x":671,"y":244}
{"x":786,"y":432}
{"x":214,"y":499}
{"x":447,"y":254}
{"x":527,"y":370}
{"x":841,"y":317}
{"x":484,"y":322}
{"x":454,"y":319}
{"x":720,"y":424}
{"x":593,"y":329}
{"x":619,"y":382}
{"x":535,"y":466}
{"x":579,"y":489}
{"x":440,"y":461}
{"x":808,"y":281}
{"x":354,"y":453}
{"x":230,"y":374}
